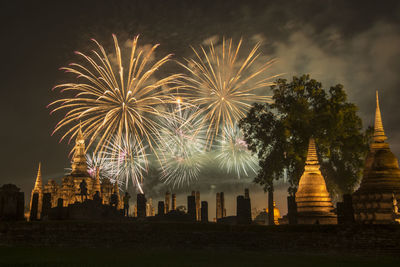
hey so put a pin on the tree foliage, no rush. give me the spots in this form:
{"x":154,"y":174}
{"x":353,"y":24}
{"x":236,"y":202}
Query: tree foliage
{"x":279,"y":134}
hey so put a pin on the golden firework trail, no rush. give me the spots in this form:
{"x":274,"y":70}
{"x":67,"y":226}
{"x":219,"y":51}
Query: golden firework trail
{"x":224,"y":85}
{"x":110,"y":100}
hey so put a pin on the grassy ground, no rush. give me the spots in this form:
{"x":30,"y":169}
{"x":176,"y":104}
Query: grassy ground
{"x":20,"y":256}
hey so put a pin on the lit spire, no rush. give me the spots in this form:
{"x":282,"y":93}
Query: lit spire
{"x":38,"y":183}
{"x":79,"y":166}
{"x":79,"y":137}
{"x":379,"y":133}
{"x":312,"y":158}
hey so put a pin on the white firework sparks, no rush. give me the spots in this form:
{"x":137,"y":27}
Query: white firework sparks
{"x":127,"y":161}
{"x":233,"y":154}
{"x":182,"y":146}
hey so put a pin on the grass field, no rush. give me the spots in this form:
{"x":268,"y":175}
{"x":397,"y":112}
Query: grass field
{"x":54,"y":256}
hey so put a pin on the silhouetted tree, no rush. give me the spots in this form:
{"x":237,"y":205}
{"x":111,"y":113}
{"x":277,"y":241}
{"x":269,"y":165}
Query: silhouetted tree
{"x":279,"y":133}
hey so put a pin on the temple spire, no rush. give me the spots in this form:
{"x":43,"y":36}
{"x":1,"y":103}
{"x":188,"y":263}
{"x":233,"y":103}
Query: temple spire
{"x":79,"y":166}
{"x":312,"y":158}
{"x":39,"y":183}
{"x":379,"y":133}
{"x":312,"y":198}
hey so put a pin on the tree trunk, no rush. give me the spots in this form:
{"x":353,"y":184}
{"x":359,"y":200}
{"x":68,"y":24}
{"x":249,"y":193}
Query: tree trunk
{"x":271,"y":205}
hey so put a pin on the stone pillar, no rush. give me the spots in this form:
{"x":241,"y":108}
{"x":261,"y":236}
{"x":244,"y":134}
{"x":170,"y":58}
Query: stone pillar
{"x":340,"y":212}
{"x":173,"y":202}
{"x":46,"y":205}
{"x":141,"y":205}
{"x":198,"y":217}
{"x":218,"y":207}
{"x":191,"y":203}
{"x":33,"y":216}
{"x":11,"y":203}
{"x":292,"y":209}
{"x":60,"y":206}
{"x":161,"y":208}
{"x":167,"y":202}
{"x":222,"y":196}
{"x":149,"y":208}
{"x":243,"y":210}
{"x":135,"y":210}
{"x":204,"y":211}
{"x":348,"y":210}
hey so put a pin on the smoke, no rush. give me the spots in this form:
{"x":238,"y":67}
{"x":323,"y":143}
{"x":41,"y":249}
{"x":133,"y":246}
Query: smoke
{"x":363,"y":63}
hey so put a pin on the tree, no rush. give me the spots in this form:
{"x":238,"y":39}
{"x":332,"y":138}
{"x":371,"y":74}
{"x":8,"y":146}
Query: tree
{"x":279,"y":134}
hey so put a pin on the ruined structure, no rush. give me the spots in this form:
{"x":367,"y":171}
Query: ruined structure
{"x":12,"y":203}
{"x":220,"y":206}
{"x":243,"y":208}
{"x":374,"y":201}
{"x":141,"y":205}
{"x":198,"y":208}
{"x":167,"y":202}
{"x":191,"y":204}
{"x":314,"y":204}
{"x":70,"y":191}
{"x":173,"y":202}
{"x":161,"y":208}
{"x":150,"y":211}
{"x":204,"y":211}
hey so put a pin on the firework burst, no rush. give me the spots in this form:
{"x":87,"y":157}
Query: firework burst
{"x":97,"y":163}
{"x":182,"y":146}
{"x":224,"y":85}
{"x":115,"y":102}
{"x":233,"y":155}
{"x":127,"y":160}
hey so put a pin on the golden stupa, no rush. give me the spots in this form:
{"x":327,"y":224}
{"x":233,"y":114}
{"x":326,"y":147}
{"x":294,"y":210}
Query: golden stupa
{"x":376,"y":199}
{"x":314,"y":204}
{"x":277,"y":214}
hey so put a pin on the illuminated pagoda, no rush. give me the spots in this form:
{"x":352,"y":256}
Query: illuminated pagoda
{"x":277,"y":214}
{"x":376,"y":199}
{"x":69,"y":191}
{"x":314,"y":204}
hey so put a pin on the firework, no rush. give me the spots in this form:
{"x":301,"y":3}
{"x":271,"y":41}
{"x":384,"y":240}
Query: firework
{"x":233,"y":154}
{"x":97,"y":162}
{"x":182,"y":144}
{"x":127,"y":160}
{"x":224,"y":85}
{"x":113,"y":101}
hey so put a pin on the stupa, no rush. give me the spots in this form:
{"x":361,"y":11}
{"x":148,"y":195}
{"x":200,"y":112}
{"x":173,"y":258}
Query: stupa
{"x":314,"y":205}
{"x":375,"y":201}
{"x":277,"y":214}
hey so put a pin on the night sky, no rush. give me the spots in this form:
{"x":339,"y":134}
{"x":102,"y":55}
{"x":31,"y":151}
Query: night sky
{"x":355,"y":43}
